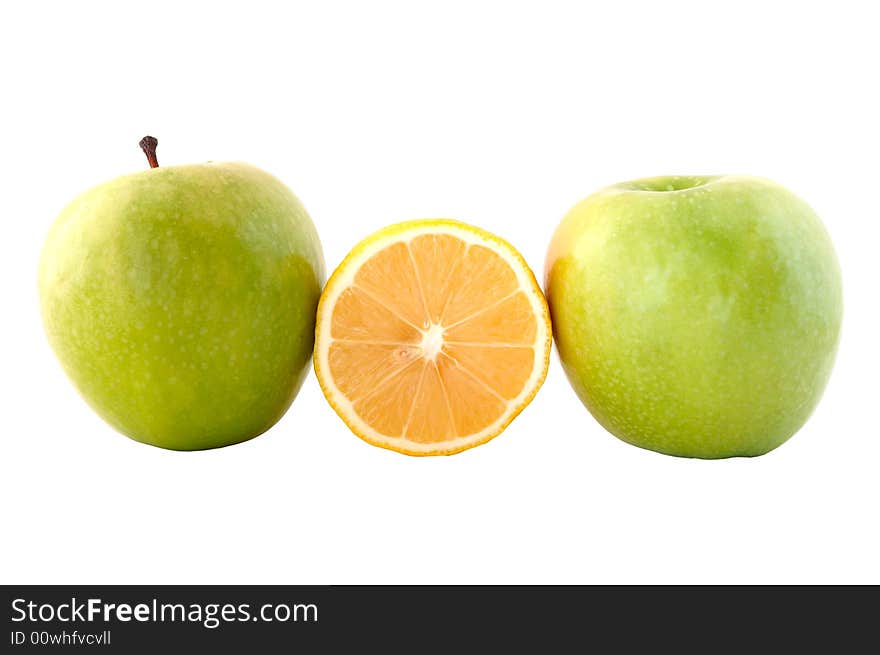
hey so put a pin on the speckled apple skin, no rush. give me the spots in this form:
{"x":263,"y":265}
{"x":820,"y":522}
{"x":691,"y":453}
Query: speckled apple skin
{"x":696,"y":317}
{"x":181,"y":301}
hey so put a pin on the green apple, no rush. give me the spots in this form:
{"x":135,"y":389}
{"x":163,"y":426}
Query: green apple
{"x":181,"y":301}
{"x":696,"y":316}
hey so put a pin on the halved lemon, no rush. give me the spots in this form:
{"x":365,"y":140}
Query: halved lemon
{"x":431,"y":337}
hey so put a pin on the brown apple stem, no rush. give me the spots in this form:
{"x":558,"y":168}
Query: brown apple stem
{"x":148,"y":145}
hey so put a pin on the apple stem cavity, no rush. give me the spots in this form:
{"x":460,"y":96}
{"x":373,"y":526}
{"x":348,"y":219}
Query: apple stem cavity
{"x":148,"y":145}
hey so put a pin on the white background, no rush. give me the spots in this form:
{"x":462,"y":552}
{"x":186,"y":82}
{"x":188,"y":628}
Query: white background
{"x":499,"y":114}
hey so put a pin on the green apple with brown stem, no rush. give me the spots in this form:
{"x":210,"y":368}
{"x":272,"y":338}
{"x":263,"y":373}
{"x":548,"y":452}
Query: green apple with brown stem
{"x":181,"y":300}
